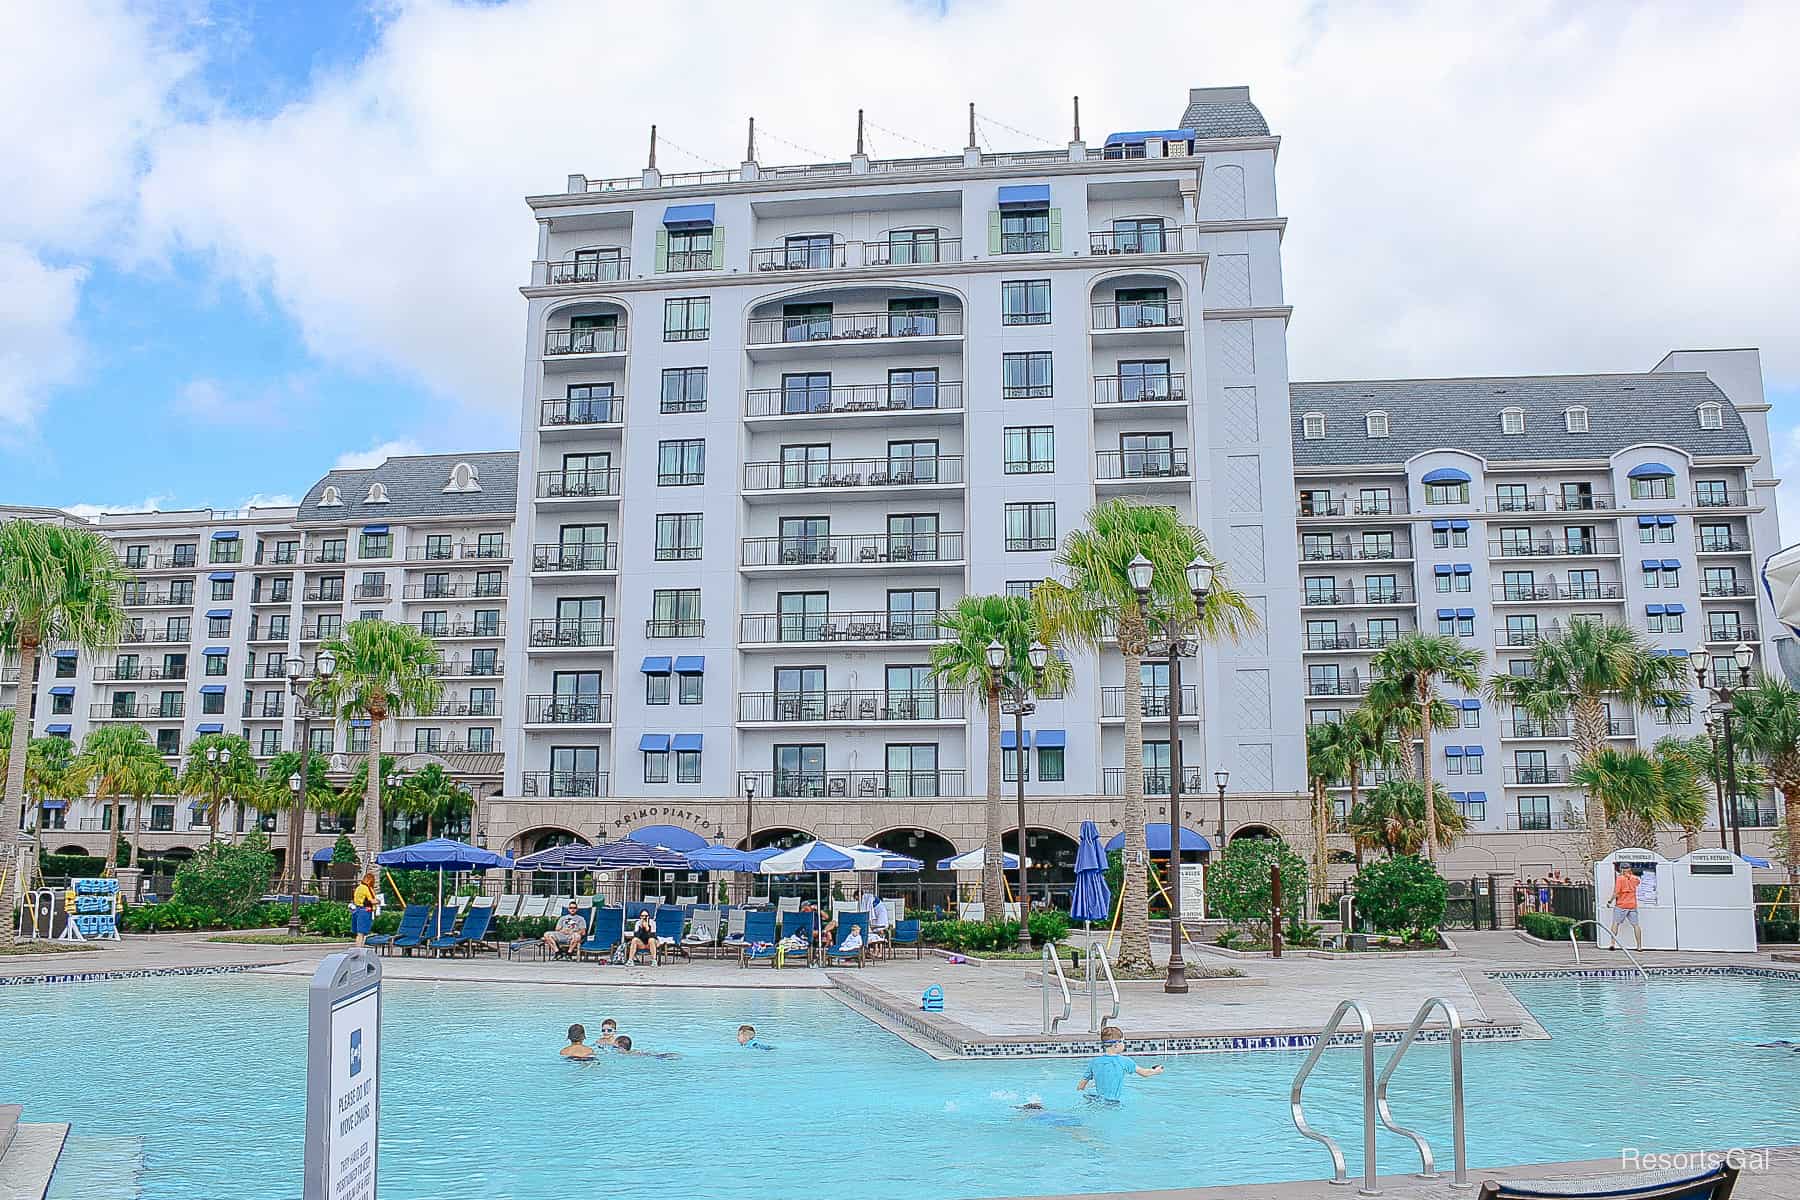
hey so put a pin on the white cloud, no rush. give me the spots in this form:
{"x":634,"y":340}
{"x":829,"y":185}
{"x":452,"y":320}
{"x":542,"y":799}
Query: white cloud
{"x":268,"y":500}
{"x":213,"y":402}
{"x":39,"y":349}
{"x":1785,"y":444}
{"x":374,"y":456}
{"x":147,"y":504}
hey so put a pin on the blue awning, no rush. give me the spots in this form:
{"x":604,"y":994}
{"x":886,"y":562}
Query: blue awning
{"x":63,"y":653}
{"x":359,"y":722}
{"x":209,"y":729}
{"x":1156,"y":839}
{"x":1651,"y":470}
{"x":375,"y":529}
{"x":57,"y":728}
{"x":1460,"y":797}
{"x":669,"y":837}
{"x":1653,"y":610}
{"x":1471,"y":705}
{"x":323,"y":854}
{"x":1441,"y":526}
{"x":1464,"y":568}
{"x":1052,"y":739}
{"x":1478,"y":797}
{"x":216,"y":650}
{"x":1665,"y":519}
{"x":1677,"y":609}
{"x":1445,"y":475}
{"x":222,"y":576}
{"x":1646,"y":520}
{"x":225,"y":535}
{"x":1441,"y":569}
{"x":688,"y":216}
{"x":1459,"y":524}
{"x":53,"y":805}
{"x":1465,"y":612}
{"x":1757,"y":862}
{"x":218,"y":614}
{"x":1009,"y":742}
{"x":1651,"y":564}
{"x":657,"y":664}
{"x":1025,"y":195}
{"x":686,"y":741}
{"x":213,"y":689}
{"x":653,"y":743}
{"x":1444,"y":614}
{"x":1671,"y":564}
{"x":62,"y":691}
{"x":1679,"y":653}
{"x":1139,"y":137}
{"x":1453,"y":751}
{"x":690,"y":664}
{"x":1472,"y":751}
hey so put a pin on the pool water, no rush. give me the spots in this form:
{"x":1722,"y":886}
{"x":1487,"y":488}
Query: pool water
{"x":193,"y":1087}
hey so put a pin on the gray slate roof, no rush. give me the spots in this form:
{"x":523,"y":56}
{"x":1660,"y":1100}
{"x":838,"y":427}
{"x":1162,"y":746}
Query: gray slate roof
{"x":415,"y":488}
{"x":1223,"y":112}
{"x":1464,"y":414}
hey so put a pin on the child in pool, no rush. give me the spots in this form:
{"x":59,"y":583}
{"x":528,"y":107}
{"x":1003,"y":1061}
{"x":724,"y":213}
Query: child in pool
{"x":746,"y":1037}
{"x":1107,"y":1073}
{"x":577,"y":1050}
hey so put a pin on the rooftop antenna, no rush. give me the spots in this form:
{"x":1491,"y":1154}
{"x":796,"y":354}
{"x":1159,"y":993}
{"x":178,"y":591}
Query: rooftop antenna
{"x":1077,"y":119}
{"x":859,"y":131}
{"x":750,"y":147}
{"x":652,"y":164}
{"x":972,"y":145}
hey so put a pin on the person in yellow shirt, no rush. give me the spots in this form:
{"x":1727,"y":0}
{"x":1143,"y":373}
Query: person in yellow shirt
{"x":362,"y":907}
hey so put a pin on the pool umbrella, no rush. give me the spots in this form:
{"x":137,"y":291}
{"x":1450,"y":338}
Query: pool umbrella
{"x":1156,"y":839}
{"x":974,"y":860}
{"x":720,"y":858}
{"x":1093,"y":899}
{"x":627,"y":855}
{"x":875,"y":859}
{"x":814,"y":858}
{"x":443,"y":854}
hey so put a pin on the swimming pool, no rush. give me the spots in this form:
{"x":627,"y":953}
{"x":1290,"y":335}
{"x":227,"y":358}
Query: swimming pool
{"x":193,"y":1087}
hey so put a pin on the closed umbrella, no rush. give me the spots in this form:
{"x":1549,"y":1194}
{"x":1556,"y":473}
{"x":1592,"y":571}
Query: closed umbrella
{"x":1093,"y":899}
{"x":974,"y":860}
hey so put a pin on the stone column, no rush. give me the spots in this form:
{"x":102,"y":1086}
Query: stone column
{"x":131,"y":881}
{"x":1504,"y":881}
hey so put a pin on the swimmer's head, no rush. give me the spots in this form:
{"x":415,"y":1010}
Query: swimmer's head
{"x":609,"y":1026}
{"x":745,"y":1033}
{"x":623,"y":1042}
{"x":577,"y":1034}
{"x":1112,"y":1035}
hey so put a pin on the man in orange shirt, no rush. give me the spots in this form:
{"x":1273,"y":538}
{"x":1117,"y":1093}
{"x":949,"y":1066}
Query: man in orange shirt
{"x":1625,"y":904}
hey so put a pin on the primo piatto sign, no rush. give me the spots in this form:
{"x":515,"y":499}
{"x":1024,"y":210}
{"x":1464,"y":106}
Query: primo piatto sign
{"x":343,"y":1078}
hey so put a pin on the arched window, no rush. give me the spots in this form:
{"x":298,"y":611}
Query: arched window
{"x":1712,"y":416}
{"x":377,"y":494}
{"x":331,"y":498}
{"x":1512,"y":421}
{"x":1312,"y":426}
{"x":1376,"y":424}
{"x":463,"y":478}
{"x":1576,"y":419}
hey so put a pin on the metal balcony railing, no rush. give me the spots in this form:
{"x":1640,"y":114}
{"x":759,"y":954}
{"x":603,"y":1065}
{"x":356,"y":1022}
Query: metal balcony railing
{"x":465,"y":708}
{"x":325,"y":595}
{"x":1137,"y":314}
{"x":854,"y":473}
{"x":853,"y":548}
{"x":840,"y":627}
{"x":372,"y":591}
{"x":1381,"y":551}
{"x":1515,"y":639}
{"x":1552,"y":773}
{"x":1349,"y":594}
{"x":1522,"y":593}
{"x":682,"y":627}
{"x":1344,"y":506}
{"x":1732,"y":634}
{"x":584,"y":341}
{"x":1155,"y":702}
{"x":325,"y":555}
{"x":1139,"y":389}
{"x":579,"y":784}
{"x":601,"y":410}
{"x":1151,"y":240}
{"x":580,"y":556}
{"x":855,"y":784}
{"x":139,"y":635}
{"x":910,"y":252}
{"x":1555,"y":548}
{"x":852,"y":706}
{"x":561,"y":633}
{"x":569,"y":710}
{"x":1349,"y":640}
{"x":568,"y":484}
{"x":1705,"y":544}
{"x":494,"y":551}
{"x":1550,"y":502}
{"x":826,"y":327}
{"x":583,"y":268}
{"x":273,"y":633}
{"x":1716,"y":588}
{"x":1543,"y":822}
{"x":853,"y":397}
{"x":1141,"y":464}
{"x":457,"y":668}
{"x":1560,"y":727}
{"x":1351,"y":684}
{"x":459,"y":629}
{"x":810,"y":257}
{"x":1720,"y":499}
{"x":456,"y":589}
{"x":132,"y":671}
{"x":137,"y":712}
{"x":151,"y":598}
{"x":1194,"y":781}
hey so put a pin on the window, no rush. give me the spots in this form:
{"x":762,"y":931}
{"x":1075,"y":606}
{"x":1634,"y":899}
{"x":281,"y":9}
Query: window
{"x":484,"y":662}
{"x":278,"y":627}
{"x":1534,"y":812}
{"x":185,"y":555}
{"x":1136,"y":235}
{"x":61,"y":705}
{"x":1723,"y":627}
{"x":227,"y":550}
{"x":678,"y":536}
{"x":1584,"y":584}
{"x":907,"y":246}
{"x":481,"y":741}
{"x":137,"y":557}
{"x":656,"y":687}
{"x":219,"y":627}
{"x":1025,"y":231}
{"x":1657,"y":487}
{"x":377,"y":494}
{"x":912,"y":769}
{"x":221,"y":589}
{"x":1462,"y":578}
{"x":801,"y":616}
{"x":690,"y":687}
{"x":1025,"y":376}
{"x":574,"y":771}
{"x":439,"y":547}
{"x":799,"y":770}
{"x":687,"y":766}
{"x":1716,"y":581}
{"x":463,"y":478}
{"x":1708,"y":493}
{"x":1143,"y":379}
{"x":690,"y":250}
{"x":1712,"y":416}
{"x":1025,"y":302}
{"x":332,"y":550}
{"x":1453,"y":760}
{"x":1512,"y":498}
{"x":1312,"y":427}
{"x":1471,"y":715}
{"x":375,"y":545}
{"x":215,"y":664}
{"x":1050,"y":764}
{"x":490,"y":545}
{"x":168,"y":743}
{"x":912,"y":387}
{"x":1030,"y":449}
{"x":802,"y":251}
{"x":1375,"y":501}
{"x":687,"y":319}
{"x":1575,"y":419}
{"x":1031,"y":526}
{"x":1375,"y":424}
{"x":675,"y":612}
{"x":373,"y":586}
{"x":1512,"y":421}
{"x":1447,"y":493}
{"x":1665,"y":621}
{"x":915,"y":316}
{"x":1145,"y":456}
{"x":681,"y":463}
{"x":487,"y":622}
{"x":912,"y":612}
{"x":1653,"y":532}
{"x":212,"y":703}
{"x":281,"y":590}
{"x":1009,"y":766}
{"x":684,"y":390}
{"x":1657,"y":575}
{"x":912,"y":462}
{"x":331,"y":588}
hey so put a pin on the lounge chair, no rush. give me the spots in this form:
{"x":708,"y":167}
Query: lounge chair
{"x":534,"y":906}
{"x":975,"y":911}
{"x":839,"y":953}
{"x":472,"y":934}
{"x":734,"y":926}
{"x":906,"y":933}
{"x":637,"y":907}
{"x":434,"y":926}
{"x":687,"y":901}
{"x":412,"y":923}
{"x":703,"y":931}
{"x":802,"y":925}
{"x":508,"y":906}
{"x":670,"y":921}
{"x":604,"y":932}
{"x":759,"y":944}
{"x":1712,"y":1184}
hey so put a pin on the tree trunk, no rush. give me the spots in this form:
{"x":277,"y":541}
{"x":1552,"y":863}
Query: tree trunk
{"x":1134,"y":898}
{"x":372,"y":787}
{"x":12,"y":812}
{"x":993,"y":873}
{"x":1355,"y":770}
{"x":118,"y":829}
{"x":1321,"y":815}
{"x":1431,"y":823}
{"x":1790,"y":814}
{"x":1589,"y":727}
{"x":137,"y":825}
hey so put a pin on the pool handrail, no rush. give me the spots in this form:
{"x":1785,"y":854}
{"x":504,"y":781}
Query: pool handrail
{"x":1576,"y":946}
{"x":1459,"y":1147}
{"x":1097,"y":953}
{"x":1053,"y":965}
{"x":1340,"y":1174}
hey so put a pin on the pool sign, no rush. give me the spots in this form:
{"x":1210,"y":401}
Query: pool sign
{"x":343,"y":1078}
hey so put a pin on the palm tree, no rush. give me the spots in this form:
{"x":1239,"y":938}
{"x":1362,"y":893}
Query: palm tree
{"x":1637,"y":792}
{"x":1768,"y":721}
{"x":1094,"y":603}
{"x":276,"y":791}
{"x":57,"y":584}
{"x":1328,"y":755}
{"x":1392,"y":714}
{"x":1392,"y":818}
{"x":1368,"y":744}
{"x":232,"y":776}
{"x":1706,"y":758}
{"x":53,"y":771}
{"x":1414,"y":663}
{"x":383,"y":669}
{"x":1575,"y":672}
{"x":960,"y":664}
{"x":124,"y":762}
{"x":432,"y":794}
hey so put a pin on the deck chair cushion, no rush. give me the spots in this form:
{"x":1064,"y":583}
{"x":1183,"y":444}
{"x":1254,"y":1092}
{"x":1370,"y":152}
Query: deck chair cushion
{"x":1715,"y":1183}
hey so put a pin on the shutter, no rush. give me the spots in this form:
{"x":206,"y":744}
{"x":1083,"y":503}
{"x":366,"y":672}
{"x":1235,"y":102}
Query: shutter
{"x":718,"y":254}
{"x":662,"y":251}
{"x":993,"y":231}
{"x":1056,"y":229}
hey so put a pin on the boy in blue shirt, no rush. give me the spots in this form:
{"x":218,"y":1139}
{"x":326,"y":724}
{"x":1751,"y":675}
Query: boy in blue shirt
{"x":1107,"y":1073}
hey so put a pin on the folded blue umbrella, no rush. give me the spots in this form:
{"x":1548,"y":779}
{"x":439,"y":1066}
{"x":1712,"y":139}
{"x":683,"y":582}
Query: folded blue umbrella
{"x":1093,"y":899}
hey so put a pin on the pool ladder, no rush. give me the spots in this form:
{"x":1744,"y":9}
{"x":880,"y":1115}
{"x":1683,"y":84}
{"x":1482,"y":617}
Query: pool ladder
{"x":1576,"y":946}
{"x":1375,"y":1104}
{"x":1097,"y":969}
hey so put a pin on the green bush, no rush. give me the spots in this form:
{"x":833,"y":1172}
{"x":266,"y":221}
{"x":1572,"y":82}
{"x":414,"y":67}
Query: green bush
{"x":971,"y":937}
{"x":1239,"y":886}
{"x":327,"y":919}
{"x":1400,"y":894}
{"x":1299,"y":933}
{"x":343,"y":851}
{"x":73,"y":866}
{"x":172,"y":914}
{"x":518,"y":929}
{"x":1547,"y":926}
{"x":228,"y":878}
{"x":1050,"y":925}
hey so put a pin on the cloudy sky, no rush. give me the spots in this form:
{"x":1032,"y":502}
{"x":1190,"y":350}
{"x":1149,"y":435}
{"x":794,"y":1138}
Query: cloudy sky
{"x":243,"y":241}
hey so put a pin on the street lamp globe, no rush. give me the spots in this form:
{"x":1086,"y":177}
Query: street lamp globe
{"x":1039,"y":654}
{"x":326,"y":664}
{"x":1702,"y":659}
{"x":1221,"y":777}
{"x":996,"y":655}
{"x":293,"y":668}
{"x":212,"y":754}
{"x":1746,"y":657}
{"x":1140,"y":571}
{"x":1200,"y":578}
{"x":750,"y":786}
{"x":294,"y":783}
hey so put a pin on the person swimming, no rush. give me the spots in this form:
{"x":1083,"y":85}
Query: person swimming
{"x":1108,"y":1072}
{"x":622,"y":1045}
{"x":746,"y":1037}
{"x":577,"y":1050}
{"x":609,"y":1032}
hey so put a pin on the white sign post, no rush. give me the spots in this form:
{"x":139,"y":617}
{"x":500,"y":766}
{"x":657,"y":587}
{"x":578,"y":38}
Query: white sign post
{"x":1193,"y":889}
{"x":343,"y":1078}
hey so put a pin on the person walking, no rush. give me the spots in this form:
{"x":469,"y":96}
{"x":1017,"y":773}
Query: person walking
{"x":1625,"y":905}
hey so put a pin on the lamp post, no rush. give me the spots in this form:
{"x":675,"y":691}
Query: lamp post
{"x":1722,"y":691}
{"x":1178,"y":639}
{"x":216,"y":758}
{"x":1016,"y":700}
{"x":301,"y":689}
{"x":1221,"y":777}
{"x":1712,"y":737}
{"x":749,"y":827}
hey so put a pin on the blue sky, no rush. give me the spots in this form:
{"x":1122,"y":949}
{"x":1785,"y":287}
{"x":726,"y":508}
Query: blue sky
{"x":247,"y":240}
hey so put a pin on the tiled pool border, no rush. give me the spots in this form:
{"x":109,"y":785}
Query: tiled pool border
{"x":109,"y":976}
{"x":1756,"y":971}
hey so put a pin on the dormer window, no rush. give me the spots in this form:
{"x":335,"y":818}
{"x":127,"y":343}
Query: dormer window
{"x":331,"y":498}
{"x":1376,"y":424}
{"x":377,"y":494}
{"x":1512,"y":421}
{"x":1575,"y":419}
{"x":1312,"y":427}
{"x":1712,"y":416}
{"x":463,"y":478}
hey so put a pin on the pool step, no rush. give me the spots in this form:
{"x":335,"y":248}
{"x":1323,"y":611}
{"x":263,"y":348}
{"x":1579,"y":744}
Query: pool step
{"x":9,"y":1125}
{"x":93,"y":1166}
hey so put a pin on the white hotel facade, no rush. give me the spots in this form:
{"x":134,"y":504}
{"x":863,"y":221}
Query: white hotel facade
{"x":774,"y":419}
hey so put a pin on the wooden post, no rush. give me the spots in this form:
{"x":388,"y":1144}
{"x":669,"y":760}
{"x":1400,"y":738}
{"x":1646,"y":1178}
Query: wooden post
{"x":1275,"y":910}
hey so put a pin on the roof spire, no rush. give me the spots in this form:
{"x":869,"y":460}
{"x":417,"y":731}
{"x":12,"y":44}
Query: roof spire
{"x":651,"y":165}
{"x":1077,"y":136}
{"x":972,"y":145}
{"x":859,"y":131}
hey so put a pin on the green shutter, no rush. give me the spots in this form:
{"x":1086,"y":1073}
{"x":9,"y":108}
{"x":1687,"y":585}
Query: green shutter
{"x":718,"y":254}
{"x":993,"y":231}
{"x":662,"y":251}
{"x":1056,"y":229}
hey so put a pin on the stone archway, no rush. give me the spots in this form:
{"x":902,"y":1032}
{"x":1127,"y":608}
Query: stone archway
{"x":930,"y":888}
{"x":1049,"y":863}
{"x":1255,"y":831}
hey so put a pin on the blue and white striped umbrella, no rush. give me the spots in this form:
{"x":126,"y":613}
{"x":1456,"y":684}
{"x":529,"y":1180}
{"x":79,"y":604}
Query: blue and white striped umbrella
{"x":813,"y":856}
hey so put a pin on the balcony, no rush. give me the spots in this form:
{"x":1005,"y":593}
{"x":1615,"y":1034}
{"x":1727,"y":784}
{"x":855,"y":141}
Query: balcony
{"x":372,"y":591}
{"x":1194,"y":781}
{"x":552,"y":557}
{"x":286,"y":597}
{"x":457,"y":668}
{"x":912,"y":252}
{"x":1378,"y":551}
{"x":1351,"y":684}
{"x":583,"y":268}
{"x":458,"y":629}
{"x":1731,"y":635}
{"x":152,"y":598}
{"x":853,"y":549}
{"x":431,"y":551}
{"x":1519,"y":639}
{"x":576,"y":485}
{"x":325,"y":595}
{"x":685,"y":627}
{"x":1527,"y":776}
{"x":1166,"y":240}
{"x":1721,"y":498}
{"x":1544,"y":822}
{"x":266,"y":711}
{"x":804,"y":257}
{"x":850,"y":398}
{"x":1546,"y":592}
{"x":132,"y":671}
{"x":139,"y":636}
{"x":854,"y":784}
{"x":1125,"y":315}
{"x":560,"y":342}
{"x":271,"y":634}
{"x":1703,"y":544}
{"x":1718,"y":589}
{"x":1140,"y":389}
{"x":569,"y":710}
{"x":605,"y":410}
{"x":861,"y":326}
{"x":137,"y":712}
{"x":1556,"y":548}
{"x":1560,"y":728}
{"x":460,"y":589}
{"x":1350,"y":596}
{"x":587,"y":785}
{"x":572,"y":634}
{"x":325,"y":555}
{"x":860,"y":628}
{"x":943,"y":470}
{"x":1113,"y":466}
{"x":163,"y":562}
{"x":789,"y":708}
{"x":1550,"y":502}
{"x":1344,"y":506}
{"x":464,"y":708}
{"x":1351,"y":640}
{"x":1154,"y":701}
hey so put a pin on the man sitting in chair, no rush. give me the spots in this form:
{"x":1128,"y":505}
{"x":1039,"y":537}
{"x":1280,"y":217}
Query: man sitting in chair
{"x":563,"y":940}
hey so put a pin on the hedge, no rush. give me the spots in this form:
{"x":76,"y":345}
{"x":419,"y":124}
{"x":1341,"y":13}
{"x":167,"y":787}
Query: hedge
{"x":977,"y":936}
{"x":73,"y":866}
{"x":1548,"y":926}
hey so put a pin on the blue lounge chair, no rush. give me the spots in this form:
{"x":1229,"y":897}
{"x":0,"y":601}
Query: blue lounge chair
{"x":1714,"y":1183}
{"x":859,"y":921}
{"x":907,"y":933}
{"x":412,"y":923}
{"x":472,"y":934}
{"x":802,"y":925}
{"x":604,"y":932}
{"x":639,"y":906}
{"x":671,"y":922}
{"x":437,"y":924}
{"x":759,"y":939}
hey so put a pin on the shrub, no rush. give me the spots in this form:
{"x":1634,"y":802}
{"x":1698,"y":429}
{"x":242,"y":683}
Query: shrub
{"x":1299,"y":933}
{"x":229,"y":879}
{"x":74,"y":866}
{"x":1239,"y":888}
{"x":326,"y":919}
{"x":1547,"y":926}
{"x":972,"y":936}
{"x":343,"y":851}
{"x":172,"y":914}
{"x":1049,"y":926}
{"x":516,"y":929}
{"x":1398,"y":894}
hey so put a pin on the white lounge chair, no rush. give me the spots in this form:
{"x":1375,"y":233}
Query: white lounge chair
{"x":534,"y":906}
{"x":508,"y":906}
